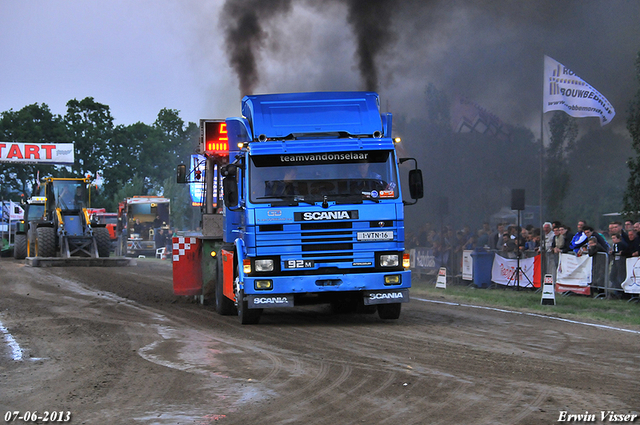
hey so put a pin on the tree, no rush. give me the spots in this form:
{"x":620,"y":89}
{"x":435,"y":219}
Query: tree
{"x":126,"y":158}
{"x":631,"y":198}
{"x":181,"y":210}
{"x":33,"y":123}
{"x":90,"y":127}
{"x":597,"y":176}
{"x":564,"y":131}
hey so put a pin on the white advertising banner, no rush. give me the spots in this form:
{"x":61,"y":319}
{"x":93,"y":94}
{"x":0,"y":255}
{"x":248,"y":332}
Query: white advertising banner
{"x":574,"y":271}
{"x":565,"y":91}
{"x":632,"y":284}
{"x":37,"y":153}
{"x":503,"y":271}
{"x":467,"y":265}
{"x":12,"y":211}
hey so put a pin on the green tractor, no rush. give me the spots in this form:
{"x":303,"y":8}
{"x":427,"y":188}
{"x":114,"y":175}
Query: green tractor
{"x":65,"y":229}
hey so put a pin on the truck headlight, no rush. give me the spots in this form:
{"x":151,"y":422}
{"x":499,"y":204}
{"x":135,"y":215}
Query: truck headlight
{"x":264,"y":265}
{"x":389,"y":260}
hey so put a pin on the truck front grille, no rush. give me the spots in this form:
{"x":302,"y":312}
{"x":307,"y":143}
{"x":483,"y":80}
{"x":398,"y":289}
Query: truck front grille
{"x":326,"y":243}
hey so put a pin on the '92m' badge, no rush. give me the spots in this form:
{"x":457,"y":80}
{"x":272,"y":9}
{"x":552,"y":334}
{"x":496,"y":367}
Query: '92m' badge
{"x":298,"y":264}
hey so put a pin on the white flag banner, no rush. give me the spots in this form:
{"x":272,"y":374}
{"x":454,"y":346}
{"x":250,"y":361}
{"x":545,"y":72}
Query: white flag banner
{"x":565,"y":91}
{"x":15,"y":211}
{"x":503,"y":271}
{"x":632,"y":284}
{"x":467,"y":265}
{"x":573,"y":270}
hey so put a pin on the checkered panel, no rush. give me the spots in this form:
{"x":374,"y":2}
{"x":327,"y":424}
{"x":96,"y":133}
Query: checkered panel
{"x":182,"y":246}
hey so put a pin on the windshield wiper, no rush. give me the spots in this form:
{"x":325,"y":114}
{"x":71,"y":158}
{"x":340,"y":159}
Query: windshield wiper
{"x":289,"y":200}
{"x":349,"y":198}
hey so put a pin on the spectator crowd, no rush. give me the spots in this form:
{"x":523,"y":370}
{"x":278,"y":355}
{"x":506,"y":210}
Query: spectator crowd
{"x":620,"y":242}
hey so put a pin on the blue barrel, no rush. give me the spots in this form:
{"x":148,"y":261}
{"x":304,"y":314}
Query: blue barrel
{"x":482,"y":265}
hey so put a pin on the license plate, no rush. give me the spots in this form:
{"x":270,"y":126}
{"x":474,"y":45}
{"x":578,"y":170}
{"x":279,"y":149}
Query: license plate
{"x":298,"y":264}
{"x":375,"y":236}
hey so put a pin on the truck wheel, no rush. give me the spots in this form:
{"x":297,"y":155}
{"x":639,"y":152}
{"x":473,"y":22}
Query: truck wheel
{"x":247,"y":316}
{"x":45,"y":242}
{"x":224,"y":306}
{"x":389,"y":311}
{"x":20,"y":247}
{"x":103,"y":240}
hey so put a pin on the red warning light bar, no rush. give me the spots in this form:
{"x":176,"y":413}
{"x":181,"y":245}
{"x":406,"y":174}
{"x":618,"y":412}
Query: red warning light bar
{"x":216,"y":140}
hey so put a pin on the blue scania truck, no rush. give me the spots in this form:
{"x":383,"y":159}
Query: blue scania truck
{"x":311,"y":208}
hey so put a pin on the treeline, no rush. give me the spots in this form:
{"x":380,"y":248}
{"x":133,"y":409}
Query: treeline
{"x":469,"y":176}
{"x":136,"y":159}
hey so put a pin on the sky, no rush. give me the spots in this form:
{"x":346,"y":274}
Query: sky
{"x":141,"y":56}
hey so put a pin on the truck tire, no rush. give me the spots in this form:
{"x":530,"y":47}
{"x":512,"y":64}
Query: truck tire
{"x":389,"y":311}
{"x":45,"y":242}
{"x":224,"y":306}
{"x":247,"y":316}
{"x":20,"y":247}
{"x":103,"y":240}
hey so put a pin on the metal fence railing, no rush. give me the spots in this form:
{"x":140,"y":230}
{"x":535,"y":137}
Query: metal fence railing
{"x":426,"y":262}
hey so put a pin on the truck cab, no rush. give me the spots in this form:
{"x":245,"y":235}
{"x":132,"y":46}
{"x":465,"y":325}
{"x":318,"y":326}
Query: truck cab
{"x":313,"y":207}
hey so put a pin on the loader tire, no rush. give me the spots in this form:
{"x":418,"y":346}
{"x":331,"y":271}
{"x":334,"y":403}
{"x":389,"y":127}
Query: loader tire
{"x":20,"y":247}
{"x":103,"y":240}
{"x":45,"y":242}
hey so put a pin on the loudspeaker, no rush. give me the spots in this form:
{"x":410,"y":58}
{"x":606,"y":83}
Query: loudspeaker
{"x":517,"y":199}
{"x":443,"y":205}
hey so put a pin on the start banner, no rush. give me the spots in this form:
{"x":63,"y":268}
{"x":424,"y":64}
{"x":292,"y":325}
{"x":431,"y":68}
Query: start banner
{"x":37,"y":153}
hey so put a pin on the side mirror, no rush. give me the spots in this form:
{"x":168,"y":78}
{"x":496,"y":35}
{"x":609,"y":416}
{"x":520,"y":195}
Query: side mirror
{"x":416,"y":188}
{"x":230,"y":186}
{"x":182,"y":174}
{"x":229,"y":170}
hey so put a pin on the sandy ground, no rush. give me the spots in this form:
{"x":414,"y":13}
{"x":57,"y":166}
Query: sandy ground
{"x":115,"y":346}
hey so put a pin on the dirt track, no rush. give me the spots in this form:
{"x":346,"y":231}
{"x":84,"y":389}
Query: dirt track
{"x":115,"y":346}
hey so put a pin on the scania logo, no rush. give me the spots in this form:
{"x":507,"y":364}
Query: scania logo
{"x":386,"y":296}
{"x":271,"y":300}
{"x":326,"y":215}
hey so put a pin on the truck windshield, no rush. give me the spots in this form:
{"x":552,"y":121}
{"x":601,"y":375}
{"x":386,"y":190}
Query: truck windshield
{"x":338,"y":176}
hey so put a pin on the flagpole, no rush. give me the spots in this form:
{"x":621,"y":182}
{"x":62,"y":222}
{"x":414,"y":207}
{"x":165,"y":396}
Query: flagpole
{"x":543,"y":236}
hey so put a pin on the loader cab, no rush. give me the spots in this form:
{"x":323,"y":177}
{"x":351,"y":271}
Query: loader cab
{"x":68,"y":195}
{"x":34,"y":210}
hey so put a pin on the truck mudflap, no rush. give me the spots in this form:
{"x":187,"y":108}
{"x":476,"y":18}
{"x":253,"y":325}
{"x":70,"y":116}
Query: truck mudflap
{"x":267,"y":301}
{"x":187,"y":266}
{"x":386,"y":297}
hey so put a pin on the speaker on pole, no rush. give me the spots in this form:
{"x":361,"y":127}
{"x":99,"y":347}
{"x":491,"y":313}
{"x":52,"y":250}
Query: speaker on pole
{"x":517,"y":199}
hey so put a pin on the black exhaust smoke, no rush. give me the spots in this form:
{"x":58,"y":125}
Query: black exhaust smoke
{"x":244,"y":22}
{"x":370,"y":21}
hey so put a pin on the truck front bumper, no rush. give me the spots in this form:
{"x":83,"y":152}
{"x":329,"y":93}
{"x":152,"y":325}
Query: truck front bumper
{"x":376,"y":288}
